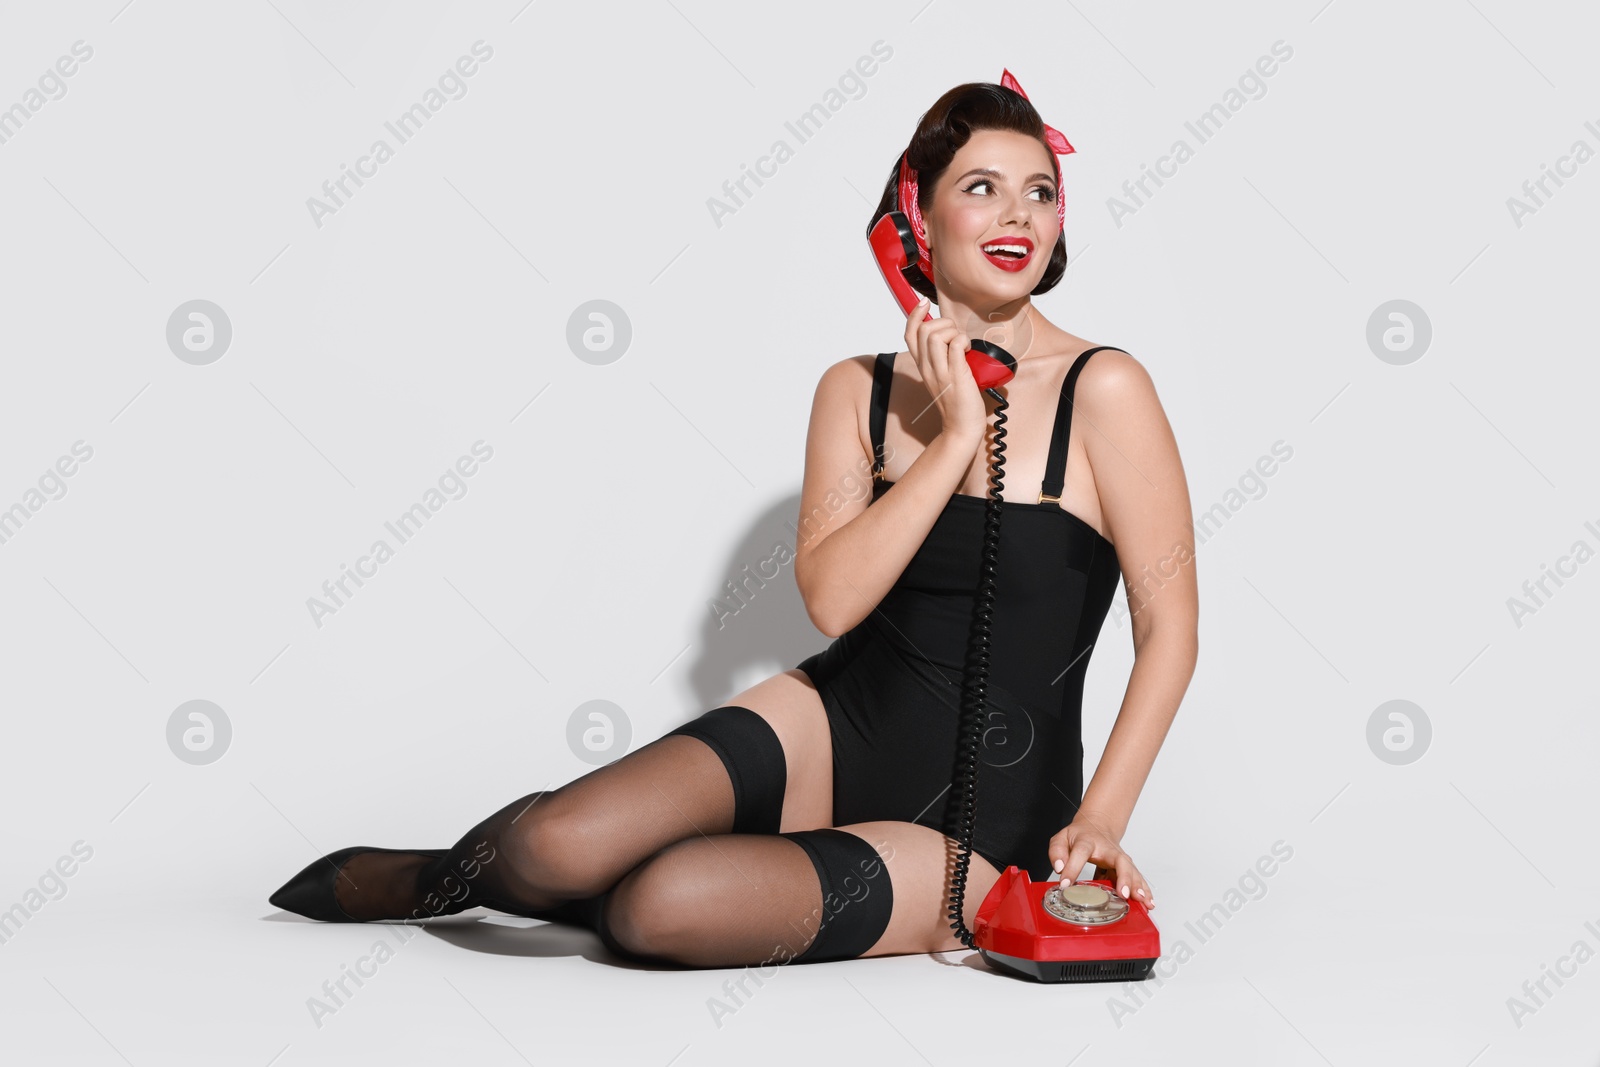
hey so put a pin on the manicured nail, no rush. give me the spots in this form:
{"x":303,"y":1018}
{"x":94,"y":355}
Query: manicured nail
{"x":1059,"y":864}
{"x":1124,"y":892}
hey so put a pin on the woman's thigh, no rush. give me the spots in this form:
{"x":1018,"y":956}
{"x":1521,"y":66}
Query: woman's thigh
{"x":578,"y":840}
{"x":754,"y":899}
{"x":920,"y":861}
{"x":793,"y":708}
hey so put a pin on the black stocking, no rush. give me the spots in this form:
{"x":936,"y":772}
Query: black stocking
{"x":553,"y":854}
{"x":730,"y":901}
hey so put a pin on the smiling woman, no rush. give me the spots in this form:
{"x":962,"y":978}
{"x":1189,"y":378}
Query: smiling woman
{"x":984,"y":113}
{"x":811,"y":817}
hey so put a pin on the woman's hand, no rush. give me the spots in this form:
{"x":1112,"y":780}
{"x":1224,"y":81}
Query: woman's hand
{"x":939,"y":348}
{"x":1089,"y":840}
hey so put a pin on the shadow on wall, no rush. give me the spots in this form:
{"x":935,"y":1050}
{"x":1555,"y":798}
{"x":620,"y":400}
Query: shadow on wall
{"x":755,"y":625}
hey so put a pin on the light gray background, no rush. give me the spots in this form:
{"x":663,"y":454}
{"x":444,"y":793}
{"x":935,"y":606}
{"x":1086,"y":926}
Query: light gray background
{"x":431,"y":311}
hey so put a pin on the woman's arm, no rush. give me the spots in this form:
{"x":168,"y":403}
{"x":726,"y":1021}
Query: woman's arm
{"x":850,"y":554}
{"x":1145,"y":500}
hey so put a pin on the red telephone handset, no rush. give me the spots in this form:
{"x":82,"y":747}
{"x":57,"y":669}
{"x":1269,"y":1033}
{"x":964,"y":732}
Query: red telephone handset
{"x":895,"y":248}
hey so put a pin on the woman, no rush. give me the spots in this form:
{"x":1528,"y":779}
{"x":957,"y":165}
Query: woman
{"x":805,"y":820}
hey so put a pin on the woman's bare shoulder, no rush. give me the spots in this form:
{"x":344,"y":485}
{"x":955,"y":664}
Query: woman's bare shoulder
{"x":851,"y":365}
{"x":844,"y":378}
{"x":1113,"y":380}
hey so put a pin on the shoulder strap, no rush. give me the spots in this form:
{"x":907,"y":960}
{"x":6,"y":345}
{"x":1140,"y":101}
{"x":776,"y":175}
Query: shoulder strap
{"x":1055,"y":468}
{"x":882,"y":377}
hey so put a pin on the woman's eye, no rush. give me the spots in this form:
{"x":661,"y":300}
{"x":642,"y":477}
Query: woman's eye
{"x":1047,"y":198}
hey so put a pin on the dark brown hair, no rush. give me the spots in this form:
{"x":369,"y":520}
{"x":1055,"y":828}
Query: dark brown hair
{"x":941,"y":132}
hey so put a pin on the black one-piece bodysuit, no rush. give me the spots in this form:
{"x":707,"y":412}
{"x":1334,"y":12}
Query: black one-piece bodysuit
{"x":891,"y":686}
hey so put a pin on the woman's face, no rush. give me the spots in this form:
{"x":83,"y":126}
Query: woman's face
{"x":999,"y":191}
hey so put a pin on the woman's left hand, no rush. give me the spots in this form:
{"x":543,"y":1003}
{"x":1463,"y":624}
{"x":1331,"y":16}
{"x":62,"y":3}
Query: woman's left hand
{"x":1089,"y":840}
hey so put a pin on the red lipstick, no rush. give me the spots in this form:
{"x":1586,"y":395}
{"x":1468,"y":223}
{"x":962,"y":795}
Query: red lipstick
{"x":1006,"y":258}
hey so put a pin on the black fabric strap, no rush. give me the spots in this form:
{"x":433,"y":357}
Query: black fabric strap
{"x":882,"y":376}
{"x":857,"y":893}
{"x":753,"y":755}
{"x":1055,"y":468}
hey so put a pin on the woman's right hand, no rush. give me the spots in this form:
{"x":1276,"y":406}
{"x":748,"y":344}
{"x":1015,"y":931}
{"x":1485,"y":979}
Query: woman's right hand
{"x":939,"y":349}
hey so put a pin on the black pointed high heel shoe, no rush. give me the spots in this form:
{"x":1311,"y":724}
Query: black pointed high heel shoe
{"x":311,"y":892}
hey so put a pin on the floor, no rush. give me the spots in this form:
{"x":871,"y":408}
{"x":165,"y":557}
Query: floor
{"x":153,"y":979}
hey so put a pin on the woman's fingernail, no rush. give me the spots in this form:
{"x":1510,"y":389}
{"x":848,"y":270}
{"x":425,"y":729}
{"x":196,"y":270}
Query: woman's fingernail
{"x":1124,"y":891}
{"x":1059,"y":864}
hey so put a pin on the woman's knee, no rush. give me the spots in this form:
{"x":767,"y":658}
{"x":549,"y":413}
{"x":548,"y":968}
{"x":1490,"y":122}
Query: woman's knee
{"x":554,"y":848}
{"x":656,"y":909}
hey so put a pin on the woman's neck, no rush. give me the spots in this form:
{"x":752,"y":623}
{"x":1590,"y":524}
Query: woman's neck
{"x":1015,"y":326}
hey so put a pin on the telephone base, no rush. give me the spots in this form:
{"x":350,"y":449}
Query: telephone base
{"x":1071,"y":970}
{"x":1065,"y":932}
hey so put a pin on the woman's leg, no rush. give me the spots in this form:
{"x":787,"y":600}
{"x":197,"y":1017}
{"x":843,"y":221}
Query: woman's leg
{"x":759,"y":764}
{"x":867,"y":889}
{"x":553,"y":846}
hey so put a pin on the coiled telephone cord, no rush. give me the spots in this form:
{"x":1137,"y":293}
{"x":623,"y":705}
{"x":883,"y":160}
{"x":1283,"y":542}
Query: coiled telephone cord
{"x":975,"y":683}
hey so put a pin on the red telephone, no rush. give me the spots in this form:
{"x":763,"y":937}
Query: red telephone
{"x":1065,"y":931}
{"x":1051,"y":931}
{"x":895,"y":248}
